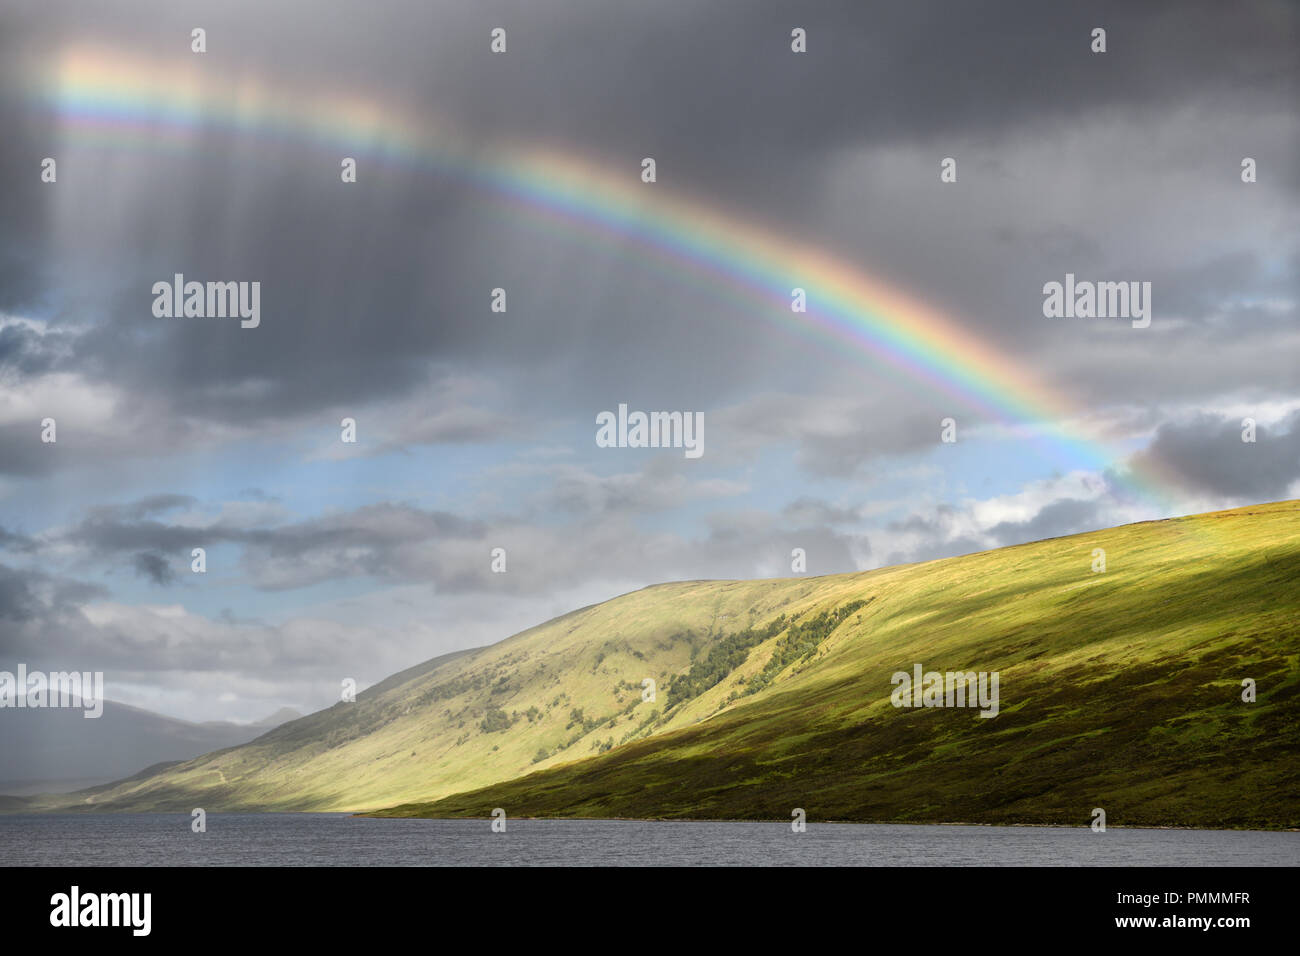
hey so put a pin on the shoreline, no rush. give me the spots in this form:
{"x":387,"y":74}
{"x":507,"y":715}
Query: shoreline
{"x":371,"y":815}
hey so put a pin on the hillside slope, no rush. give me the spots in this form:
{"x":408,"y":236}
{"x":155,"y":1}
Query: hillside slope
{"x":556,"y":692}
{"x":1119,"y":689}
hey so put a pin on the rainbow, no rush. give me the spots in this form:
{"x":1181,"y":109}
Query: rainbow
{"x":99,"y":96}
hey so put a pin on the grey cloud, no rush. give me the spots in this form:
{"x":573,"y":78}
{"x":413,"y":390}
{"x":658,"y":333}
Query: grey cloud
{"x":108,"y":535}
{"x":27,"y":595}
{"x":26,"y":352}
{"x":44,"y":624}
{"x":664,"y":483}
{"x":154,"y":567}
{"x":382,"y":540}
{"x":817,"y":511}
{"x":1208,"y":455}
{"x":934,"y":550}
{"x":143,"y":507}
{"x":1054,"y":520}
{"x":948,"y":531}
{"x":357,"y":313}
{"x":13,"y":541}
{"x":837,"y":436}
{"x":398,"y":543}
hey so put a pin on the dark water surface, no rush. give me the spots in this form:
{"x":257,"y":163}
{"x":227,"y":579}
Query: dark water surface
{"x":328,"y":839}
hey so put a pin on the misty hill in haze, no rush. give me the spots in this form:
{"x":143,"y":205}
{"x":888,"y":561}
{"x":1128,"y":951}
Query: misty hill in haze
{"x":56,"y":750}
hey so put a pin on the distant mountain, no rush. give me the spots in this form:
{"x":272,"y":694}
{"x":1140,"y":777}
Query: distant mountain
{"x":281,"y":716}
{"x":1119,"y":688}
{"x":57,"y":750}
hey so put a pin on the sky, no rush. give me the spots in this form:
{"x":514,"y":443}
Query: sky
{"x":523,"y":171}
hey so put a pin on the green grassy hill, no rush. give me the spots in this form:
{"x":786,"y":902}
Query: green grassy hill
{"x":555,"y":693}
{"x":1119,"y":690}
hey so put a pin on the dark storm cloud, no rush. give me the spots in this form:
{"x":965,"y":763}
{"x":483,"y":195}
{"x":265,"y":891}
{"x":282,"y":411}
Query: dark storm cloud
{"x":632,"y":71}
{"x":1208,"y":455}
{"x":368,"y":288}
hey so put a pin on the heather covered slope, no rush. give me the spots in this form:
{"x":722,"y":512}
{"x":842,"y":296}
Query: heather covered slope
{"x":1120,"y":690}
